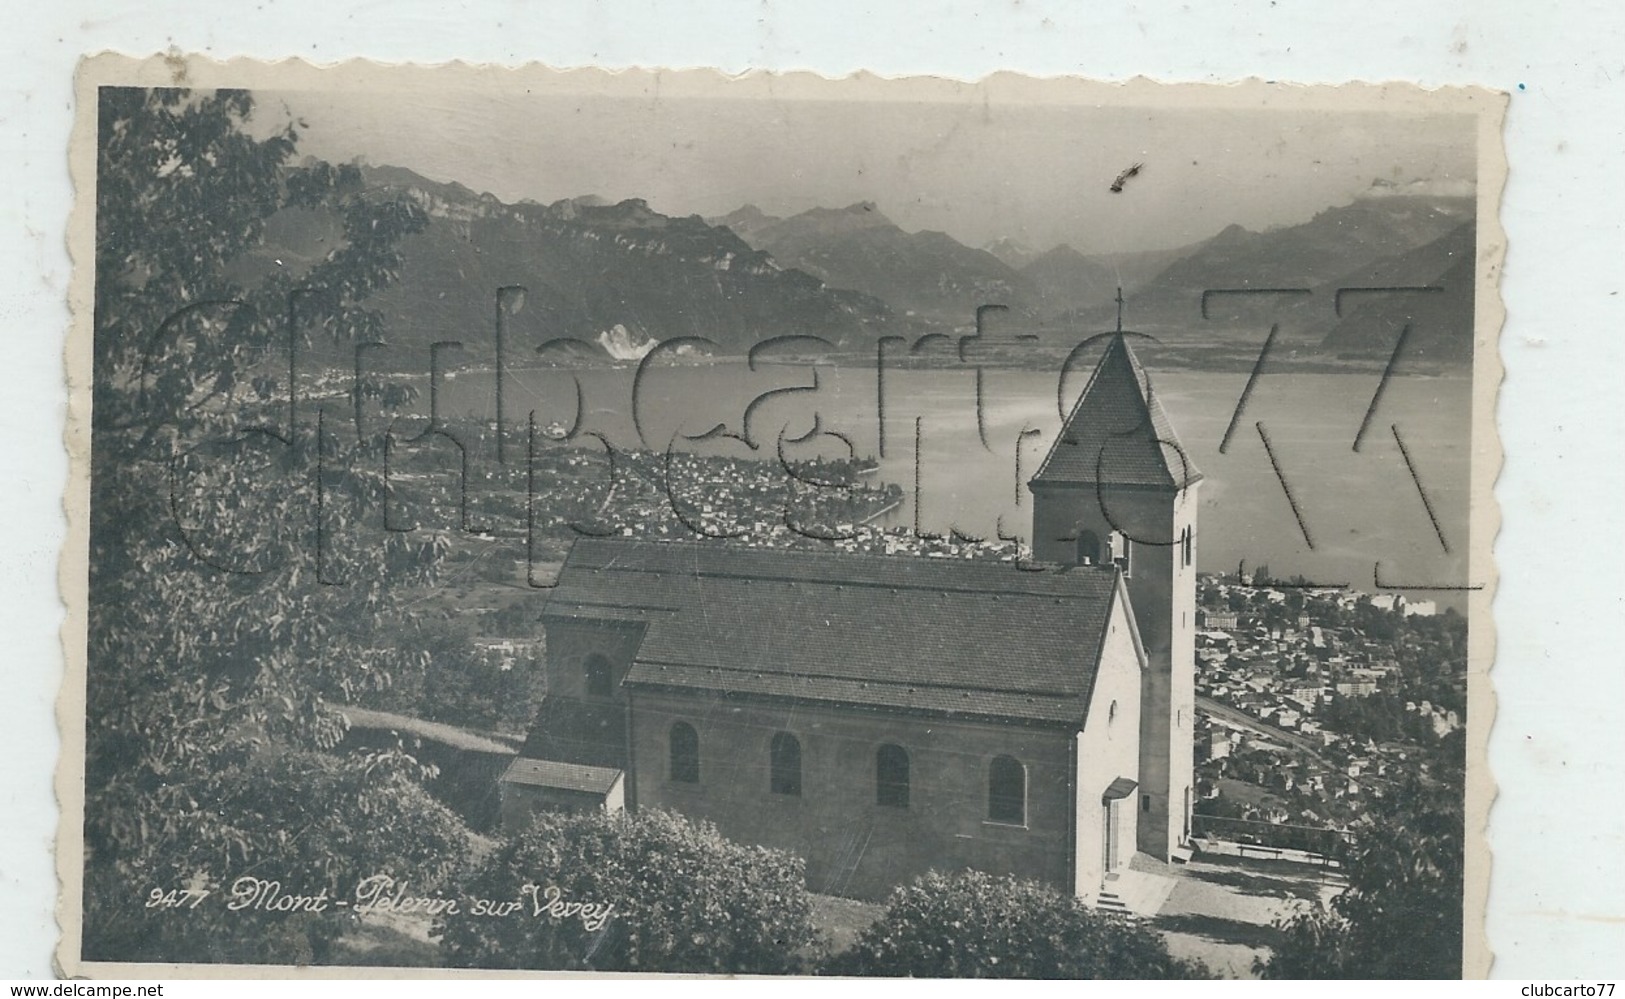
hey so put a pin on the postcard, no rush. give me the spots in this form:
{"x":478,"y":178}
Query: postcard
{"x":555,"y":522}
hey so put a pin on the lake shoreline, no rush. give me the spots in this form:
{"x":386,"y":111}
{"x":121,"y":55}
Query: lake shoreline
{"x":864,"y":361}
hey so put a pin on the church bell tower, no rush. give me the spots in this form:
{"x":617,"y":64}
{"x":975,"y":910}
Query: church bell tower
{"x":1117,"y":487}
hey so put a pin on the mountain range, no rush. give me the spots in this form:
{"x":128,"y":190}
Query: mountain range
{"x":588,"y":267}
{"x":1440,"y":319}
{"x":928,"y":274}
{"x":1381,"y":240}
{"x":594,"y":270}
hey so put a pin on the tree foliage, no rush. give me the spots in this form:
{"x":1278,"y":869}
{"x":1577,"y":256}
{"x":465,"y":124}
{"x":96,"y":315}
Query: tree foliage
{"x":459,"y":684}
{"x":974,"y":925}
{"x":234,"y":599}
{"x":685,"y":900}
{"x":308,"y":821}
{"x":1401,"y":915}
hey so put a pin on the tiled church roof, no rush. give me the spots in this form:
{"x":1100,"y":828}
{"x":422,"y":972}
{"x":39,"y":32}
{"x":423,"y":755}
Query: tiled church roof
{"x":1117,"y":433}
{"x":941,"y":636}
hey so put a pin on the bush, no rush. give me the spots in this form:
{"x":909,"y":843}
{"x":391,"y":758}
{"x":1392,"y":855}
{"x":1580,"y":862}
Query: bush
{"x":684,"y":900}
{"x":1401,"y":915}
{"x":973,"y":925}
{"x":309,"y":821}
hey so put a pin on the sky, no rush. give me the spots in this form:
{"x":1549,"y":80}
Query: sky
{"x":1035,"y":173}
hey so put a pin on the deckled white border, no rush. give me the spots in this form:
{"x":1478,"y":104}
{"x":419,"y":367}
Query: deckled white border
{"x":1556,"y":750}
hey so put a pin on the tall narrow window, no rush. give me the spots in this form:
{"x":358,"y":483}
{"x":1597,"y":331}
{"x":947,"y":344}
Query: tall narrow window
{"x":1007,"y":791}
{"x":1088,"y":548}
{"x":1185,"y":542}
{"x":599,"y":681}
{"x":785,"y":763}
{"x":1122,"y":552}
{"x":891,"y":776}
{"x":685,"y":753}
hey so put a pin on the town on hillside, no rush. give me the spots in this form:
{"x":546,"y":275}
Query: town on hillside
{"x":1312,"y":701}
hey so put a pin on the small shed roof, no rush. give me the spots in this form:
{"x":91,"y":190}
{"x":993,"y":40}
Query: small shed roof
{"x":1122,"y":787}
{"x":561,"y":776}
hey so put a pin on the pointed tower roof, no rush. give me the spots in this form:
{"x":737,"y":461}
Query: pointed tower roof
{"x":1117,"y":433}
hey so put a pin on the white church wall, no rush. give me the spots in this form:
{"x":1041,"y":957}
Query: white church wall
{"x":1108,"y":748}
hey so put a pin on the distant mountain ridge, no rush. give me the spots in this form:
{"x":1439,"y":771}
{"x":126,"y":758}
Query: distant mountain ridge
{"x":588,"y":267}
{"x":624,"y":274}
{"x":746,"y":221}
{"x":1440,"y":319}
{"x":1313,"y":254}
{"x":929,"y":274}
{"x":1392,"y":237}
{"x":1063,"y":279}
{"x":1014,"y":253}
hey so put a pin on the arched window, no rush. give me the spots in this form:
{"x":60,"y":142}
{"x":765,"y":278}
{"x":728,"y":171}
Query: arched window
{"x":1088,"y":548}
{"x":785,"y":763}
{"x":891,"y":776}
{"x":1007,"y":791}
{"x":685,"y":753}
{"x":599,"y":678}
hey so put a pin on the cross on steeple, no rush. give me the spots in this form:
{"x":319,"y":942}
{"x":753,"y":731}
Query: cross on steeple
{"x":1119,"y":308}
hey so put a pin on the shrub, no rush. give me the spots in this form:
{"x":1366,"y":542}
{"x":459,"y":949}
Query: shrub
{"x":310,"y":821}
{"x":1401,"y":915}
{"x":684,"y":900}
{"x":974,"y":925}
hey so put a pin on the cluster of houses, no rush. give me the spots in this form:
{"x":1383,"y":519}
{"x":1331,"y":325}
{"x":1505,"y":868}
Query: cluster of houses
{"x":1275,"y":781}
{"x":443,"y":481}
{"x":1270,"y":679}
{"x":746,"y":502}
{"x":1282,"y":673}
{"x":683,"y":496}
{"x":1280,"y":670}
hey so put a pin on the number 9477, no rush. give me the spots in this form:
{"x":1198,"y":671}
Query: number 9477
{"x":175,"y":898}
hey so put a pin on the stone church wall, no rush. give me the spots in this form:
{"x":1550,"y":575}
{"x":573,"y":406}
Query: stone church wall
{"x":853,"y":845}
{"x":569,"y":643}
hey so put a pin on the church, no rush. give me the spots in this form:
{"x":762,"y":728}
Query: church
{"x":882,"y":716}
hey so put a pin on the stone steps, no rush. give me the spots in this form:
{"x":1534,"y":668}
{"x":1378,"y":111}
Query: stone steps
{"x":1141,"y":893}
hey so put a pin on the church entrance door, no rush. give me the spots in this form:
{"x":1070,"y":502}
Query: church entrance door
{"x":1111,"y":839}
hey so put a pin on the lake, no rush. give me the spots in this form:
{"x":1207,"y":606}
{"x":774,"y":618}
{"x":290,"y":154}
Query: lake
{"x":1360,"y":508}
